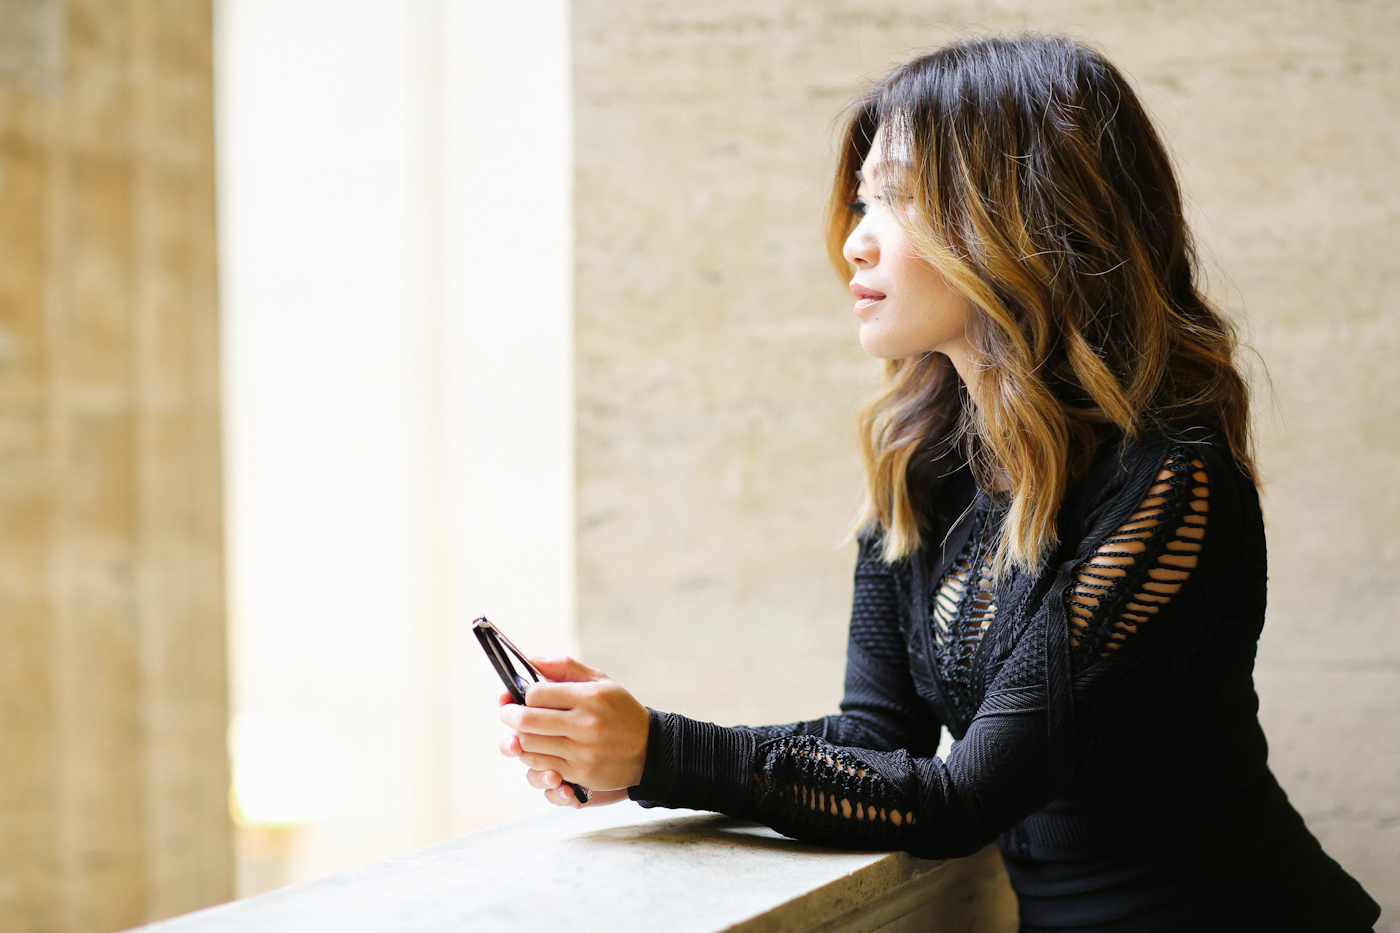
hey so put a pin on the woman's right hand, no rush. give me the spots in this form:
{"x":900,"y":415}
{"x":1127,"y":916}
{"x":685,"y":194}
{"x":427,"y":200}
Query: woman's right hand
{"x":550,"y":781}
{"x":579,"y":726}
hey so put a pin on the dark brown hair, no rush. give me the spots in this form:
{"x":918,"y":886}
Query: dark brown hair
{"x":1032,"y":179}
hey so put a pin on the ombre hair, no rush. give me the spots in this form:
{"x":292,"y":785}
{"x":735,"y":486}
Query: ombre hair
{"x":1027,"y":172}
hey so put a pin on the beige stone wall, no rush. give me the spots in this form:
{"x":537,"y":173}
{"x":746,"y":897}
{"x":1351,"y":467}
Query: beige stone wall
{"x":718,"y":371}
{"x":112,"y":662}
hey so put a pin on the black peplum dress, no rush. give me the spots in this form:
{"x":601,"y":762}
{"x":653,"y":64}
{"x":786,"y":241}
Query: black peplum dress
{"x":1103,"y":710}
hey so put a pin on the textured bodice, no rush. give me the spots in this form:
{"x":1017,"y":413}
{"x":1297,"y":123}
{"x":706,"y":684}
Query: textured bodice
{"x":1131,"y":577}
{"x":1154,"y":598}
{"x":1103,"y":703}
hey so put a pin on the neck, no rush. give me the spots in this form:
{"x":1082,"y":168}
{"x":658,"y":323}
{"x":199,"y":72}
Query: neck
{"x":971,"y":375}
{"x":967,"y":371}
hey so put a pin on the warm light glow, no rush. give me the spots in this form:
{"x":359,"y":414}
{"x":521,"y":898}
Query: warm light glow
{"x":397,"y":395}
{"x":287,"y":769}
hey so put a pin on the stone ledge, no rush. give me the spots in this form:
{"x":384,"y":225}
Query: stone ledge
{"x":621,"y":869}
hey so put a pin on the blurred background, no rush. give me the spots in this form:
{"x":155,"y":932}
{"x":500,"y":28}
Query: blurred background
{"x":328,"y":325}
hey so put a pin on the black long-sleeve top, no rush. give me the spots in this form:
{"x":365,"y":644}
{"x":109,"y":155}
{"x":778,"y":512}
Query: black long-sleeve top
{"x":1103,"y":705}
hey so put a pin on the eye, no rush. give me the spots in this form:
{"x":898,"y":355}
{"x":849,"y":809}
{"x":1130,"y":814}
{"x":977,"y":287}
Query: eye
{"x":857,"y":207}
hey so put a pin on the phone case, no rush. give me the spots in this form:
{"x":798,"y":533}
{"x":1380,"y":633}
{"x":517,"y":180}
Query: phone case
{"x":499,"y":650}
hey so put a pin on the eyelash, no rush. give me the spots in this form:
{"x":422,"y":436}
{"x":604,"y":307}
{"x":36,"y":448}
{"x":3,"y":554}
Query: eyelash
{"x":859,"y":205}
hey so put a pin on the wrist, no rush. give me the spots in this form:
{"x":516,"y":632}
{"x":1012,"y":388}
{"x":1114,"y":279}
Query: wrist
{"x":637,"y":765}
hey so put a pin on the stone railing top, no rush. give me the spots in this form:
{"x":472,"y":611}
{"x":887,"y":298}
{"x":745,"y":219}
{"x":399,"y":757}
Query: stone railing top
{"x":616,"y":869}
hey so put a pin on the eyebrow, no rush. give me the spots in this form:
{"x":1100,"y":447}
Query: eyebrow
{"x":875,"y":170}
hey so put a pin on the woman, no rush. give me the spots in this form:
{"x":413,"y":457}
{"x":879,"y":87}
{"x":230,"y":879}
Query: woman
{"x":1061,"y":554}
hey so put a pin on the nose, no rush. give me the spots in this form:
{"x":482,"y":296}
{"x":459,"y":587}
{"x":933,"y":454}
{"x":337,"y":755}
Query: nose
{"x":861,"y":248}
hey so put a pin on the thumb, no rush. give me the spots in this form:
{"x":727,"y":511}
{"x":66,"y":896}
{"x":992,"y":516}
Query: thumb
{"x":567,"y":670}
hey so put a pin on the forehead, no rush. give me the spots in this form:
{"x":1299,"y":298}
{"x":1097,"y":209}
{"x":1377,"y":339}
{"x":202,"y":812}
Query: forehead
{"x":882,"y":153}
{"x":873,"y":163}
{"x":871,"y":168}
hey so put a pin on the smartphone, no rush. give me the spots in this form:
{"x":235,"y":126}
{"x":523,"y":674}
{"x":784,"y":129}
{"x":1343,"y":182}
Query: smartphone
{"x":503,"y":655}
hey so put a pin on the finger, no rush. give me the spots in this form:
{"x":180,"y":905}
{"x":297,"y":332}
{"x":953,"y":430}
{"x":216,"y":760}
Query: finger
{"x":554,"y":745}
{"x":562,"y":797}
{"x":505,"y":699}
{"x":558,"y":695}
{"x":539,"y":720}
{"x":543,"y":780}
{"x":510,"y":746}
{"x":545,"y":763}
{"x":567,"y":669}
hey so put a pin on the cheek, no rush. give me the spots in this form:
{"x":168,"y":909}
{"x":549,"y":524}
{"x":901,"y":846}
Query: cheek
{"x":915,"y":325}
{"x":943,"y":311}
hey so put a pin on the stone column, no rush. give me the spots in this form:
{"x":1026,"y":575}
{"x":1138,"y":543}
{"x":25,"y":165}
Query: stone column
{"x":112,"y":661}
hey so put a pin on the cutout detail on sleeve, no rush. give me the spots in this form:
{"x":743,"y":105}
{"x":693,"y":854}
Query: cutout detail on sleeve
{"x":819,"y":784}
{"x":1134,"y":574}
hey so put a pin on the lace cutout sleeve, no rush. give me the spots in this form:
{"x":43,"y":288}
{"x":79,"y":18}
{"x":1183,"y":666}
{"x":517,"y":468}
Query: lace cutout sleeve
{"x":1134,"y":574}
{"x":820,"y":785}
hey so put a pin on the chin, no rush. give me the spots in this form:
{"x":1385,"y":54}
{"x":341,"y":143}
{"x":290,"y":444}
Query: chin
{"x":882,"y":347}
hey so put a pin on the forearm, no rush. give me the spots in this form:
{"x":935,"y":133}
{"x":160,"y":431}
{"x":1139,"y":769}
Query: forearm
{"x":809,"y":788}
{"x":698,"y":765}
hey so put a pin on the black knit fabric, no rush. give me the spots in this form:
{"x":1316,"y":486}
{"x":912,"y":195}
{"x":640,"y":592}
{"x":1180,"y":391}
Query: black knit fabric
{"x":1103,"y":706}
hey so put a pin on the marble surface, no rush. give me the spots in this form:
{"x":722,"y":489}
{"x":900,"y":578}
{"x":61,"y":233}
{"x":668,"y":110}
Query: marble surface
{"x":622,"y":868}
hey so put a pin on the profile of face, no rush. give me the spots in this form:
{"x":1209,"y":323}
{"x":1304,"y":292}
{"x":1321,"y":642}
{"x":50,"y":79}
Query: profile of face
{"x":906,"y":307}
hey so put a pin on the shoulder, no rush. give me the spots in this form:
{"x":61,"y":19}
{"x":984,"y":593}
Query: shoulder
{"x":1124,"y":474}
{"x":1126,"y":467}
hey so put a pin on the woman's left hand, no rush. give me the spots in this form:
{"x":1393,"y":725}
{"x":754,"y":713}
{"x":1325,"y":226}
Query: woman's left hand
{"x":581,"y":727}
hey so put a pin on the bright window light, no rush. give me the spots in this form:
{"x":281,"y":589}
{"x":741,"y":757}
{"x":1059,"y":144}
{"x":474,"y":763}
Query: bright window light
{"x":288,"y":769}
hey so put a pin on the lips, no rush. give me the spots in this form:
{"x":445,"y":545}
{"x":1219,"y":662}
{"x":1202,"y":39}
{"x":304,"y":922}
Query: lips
{"x":865,"y":297}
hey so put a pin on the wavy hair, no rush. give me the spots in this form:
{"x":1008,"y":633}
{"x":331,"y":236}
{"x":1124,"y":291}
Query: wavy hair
{"x":1032,"y":179}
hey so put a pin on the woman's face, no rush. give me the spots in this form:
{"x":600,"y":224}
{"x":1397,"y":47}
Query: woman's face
{"x":906,"y":308}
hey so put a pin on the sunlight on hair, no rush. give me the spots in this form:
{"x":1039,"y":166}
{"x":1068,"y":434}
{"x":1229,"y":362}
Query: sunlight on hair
{"x":1038,"y":187}
{"x":897,"y":138}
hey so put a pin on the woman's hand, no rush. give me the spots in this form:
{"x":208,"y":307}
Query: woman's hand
{"x":583,"y":728}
